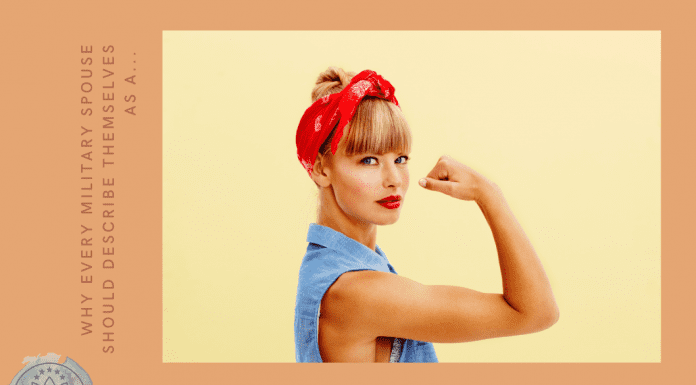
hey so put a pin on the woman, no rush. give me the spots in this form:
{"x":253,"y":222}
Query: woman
{"x":351,"y":305}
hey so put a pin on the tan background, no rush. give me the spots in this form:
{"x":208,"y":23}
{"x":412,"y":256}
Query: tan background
{"x":40,"y":166}
{"x":567,"y":123}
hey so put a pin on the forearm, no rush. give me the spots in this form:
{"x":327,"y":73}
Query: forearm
{"x":525,"y":285}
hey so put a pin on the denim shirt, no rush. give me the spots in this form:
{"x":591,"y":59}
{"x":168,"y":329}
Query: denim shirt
{"x":330,"y":254}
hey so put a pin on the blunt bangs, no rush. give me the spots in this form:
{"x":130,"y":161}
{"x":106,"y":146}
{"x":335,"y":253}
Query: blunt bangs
{"x":378,"y":127}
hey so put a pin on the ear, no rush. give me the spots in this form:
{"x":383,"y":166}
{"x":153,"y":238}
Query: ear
{"x":321,"y":171}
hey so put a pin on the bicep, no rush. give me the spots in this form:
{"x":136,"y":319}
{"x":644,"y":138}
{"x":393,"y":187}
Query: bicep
{"x":384,"y":304}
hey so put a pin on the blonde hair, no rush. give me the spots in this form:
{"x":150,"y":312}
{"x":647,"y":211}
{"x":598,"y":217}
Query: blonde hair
{"x":377,"y":127}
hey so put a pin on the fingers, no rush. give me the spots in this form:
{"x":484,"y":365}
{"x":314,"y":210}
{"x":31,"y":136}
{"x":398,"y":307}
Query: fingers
{"x":441,"y":177}
{"x":442,"y":186}
{"x":441,"y":169}
{"x":438,"y":178}
{"x":454,"y":179}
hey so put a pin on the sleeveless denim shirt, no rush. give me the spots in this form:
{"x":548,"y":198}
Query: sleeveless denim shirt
{"x":330,"y":254}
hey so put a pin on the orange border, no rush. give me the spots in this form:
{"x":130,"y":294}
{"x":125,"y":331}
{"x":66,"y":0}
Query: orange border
{"x":40,"y":151}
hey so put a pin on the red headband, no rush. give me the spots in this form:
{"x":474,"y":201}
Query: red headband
{"x":321,"y":117}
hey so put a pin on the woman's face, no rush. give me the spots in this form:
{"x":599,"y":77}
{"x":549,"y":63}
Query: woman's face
{"x":370,"y":188}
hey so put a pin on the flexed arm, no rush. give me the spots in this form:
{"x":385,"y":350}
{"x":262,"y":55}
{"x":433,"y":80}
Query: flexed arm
{"x":362,"y":305}
{"x":525,"y":285}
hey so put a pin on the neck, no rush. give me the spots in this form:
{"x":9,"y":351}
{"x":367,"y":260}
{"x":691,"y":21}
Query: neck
{"x":332,"y":216}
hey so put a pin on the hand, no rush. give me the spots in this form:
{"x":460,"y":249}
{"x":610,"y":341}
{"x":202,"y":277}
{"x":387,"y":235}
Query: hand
{"x":457,"y":180}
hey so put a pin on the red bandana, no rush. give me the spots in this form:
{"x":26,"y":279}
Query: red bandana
{"x":321,"y":117}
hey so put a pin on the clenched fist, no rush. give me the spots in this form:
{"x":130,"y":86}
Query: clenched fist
{"x":458,"y":180}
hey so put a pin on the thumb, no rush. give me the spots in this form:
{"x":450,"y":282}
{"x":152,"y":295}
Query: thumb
{"x":442,"y":186}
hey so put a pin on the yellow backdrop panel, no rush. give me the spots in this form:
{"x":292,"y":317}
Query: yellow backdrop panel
{"x":567,"y":123}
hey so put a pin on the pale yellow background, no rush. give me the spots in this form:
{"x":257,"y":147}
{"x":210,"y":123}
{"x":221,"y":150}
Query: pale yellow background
{"x":567,"y":123}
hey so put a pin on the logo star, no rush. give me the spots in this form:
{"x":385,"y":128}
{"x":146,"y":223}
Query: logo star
{"x":41,"y":371}
{"x":62,"y":377}
{"x":36,"y":377}
{"x":49,"y":370}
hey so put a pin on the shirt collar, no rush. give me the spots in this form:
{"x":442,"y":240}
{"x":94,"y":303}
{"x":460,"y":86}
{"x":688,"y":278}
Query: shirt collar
{"x":330,"y":238}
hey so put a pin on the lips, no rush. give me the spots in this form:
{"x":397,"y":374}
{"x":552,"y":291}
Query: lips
{"x":391,"y":202}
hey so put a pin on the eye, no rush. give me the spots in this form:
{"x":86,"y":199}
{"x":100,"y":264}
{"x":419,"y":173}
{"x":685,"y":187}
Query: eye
{"x":402,"y":159}
{"x":369,"y":160}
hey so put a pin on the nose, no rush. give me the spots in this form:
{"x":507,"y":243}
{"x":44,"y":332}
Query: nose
{"x":391,"y":175}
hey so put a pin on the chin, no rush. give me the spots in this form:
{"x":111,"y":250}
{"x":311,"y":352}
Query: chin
{"x":388,"y":221}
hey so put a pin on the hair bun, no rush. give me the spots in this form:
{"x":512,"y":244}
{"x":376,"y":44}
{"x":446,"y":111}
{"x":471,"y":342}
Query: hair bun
{"x":331,"y":81}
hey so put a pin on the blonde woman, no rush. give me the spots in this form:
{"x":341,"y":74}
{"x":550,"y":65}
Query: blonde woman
{"x":351,"y":305}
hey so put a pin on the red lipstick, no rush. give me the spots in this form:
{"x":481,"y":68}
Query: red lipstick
{"x":391,"y":202}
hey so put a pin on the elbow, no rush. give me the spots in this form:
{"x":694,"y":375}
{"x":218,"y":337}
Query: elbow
{"x":552,"y":317}
{"x":541,"y":320}
{"x":548,"y":318}
{"x":556,"y":314}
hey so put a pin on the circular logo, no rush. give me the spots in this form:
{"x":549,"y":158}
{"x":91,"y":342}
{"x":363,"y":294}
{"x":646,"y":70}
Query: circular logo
{"x":47,"y":371}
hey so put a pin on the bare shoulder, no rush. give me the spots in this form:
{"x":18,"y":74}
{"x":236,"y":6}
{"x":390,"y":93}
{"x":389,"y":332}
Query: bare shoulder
{"x":346,"y":304}
{"x":361,"y":290}
{"x":357,"y":292}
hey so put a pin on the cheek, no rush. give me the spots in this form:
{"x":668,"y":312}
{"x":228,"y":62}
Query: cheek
{"x":405,"y":180}
{"x":351,"y":189}
{"x":360,"y":183}
{"x":364,"y":184}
